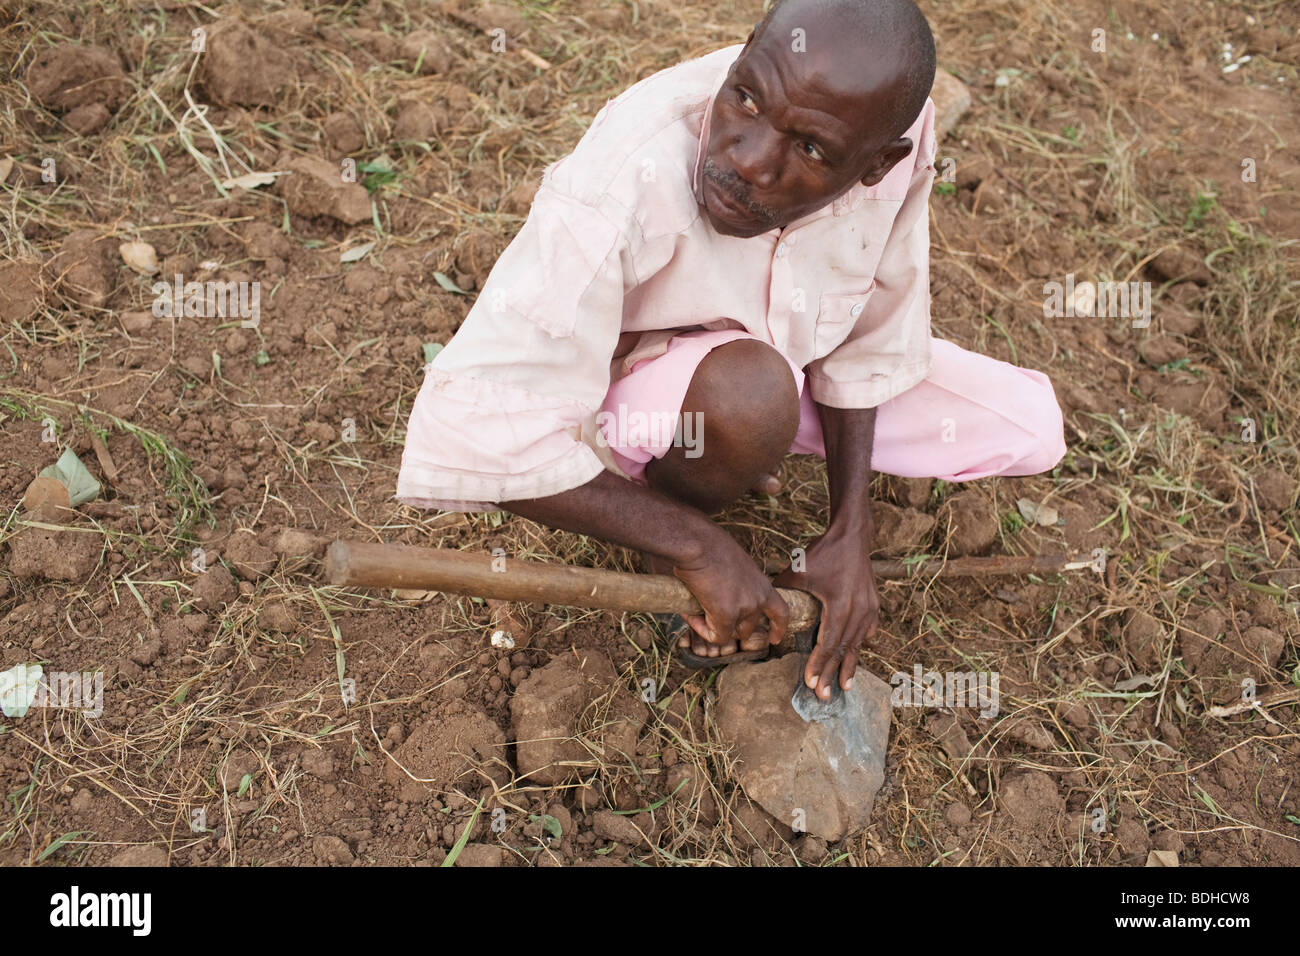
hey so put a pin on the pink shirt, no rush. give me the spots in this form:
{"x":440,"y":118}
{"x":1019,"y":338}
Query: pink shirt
{"x":616,"y":257}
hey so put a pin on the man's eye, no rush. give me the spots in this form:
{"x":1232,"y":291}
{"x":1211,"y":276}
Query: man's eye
{"x":813,"y":152}
{"x":745,"y":98}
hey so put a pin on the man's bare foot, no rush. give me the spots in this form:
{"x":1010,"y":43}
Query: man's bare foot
{"x":768,"y":485}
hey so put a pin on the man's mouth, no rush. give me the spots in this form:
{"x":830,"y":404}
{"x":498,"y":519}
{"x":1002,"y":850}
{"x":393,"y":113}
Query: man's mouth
{"x":725,"y":206}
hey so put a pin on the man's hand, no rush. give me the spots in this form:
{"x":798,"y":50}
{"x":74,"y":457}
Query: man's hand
{"x":738,"y":599}
{"x":838,"y":573}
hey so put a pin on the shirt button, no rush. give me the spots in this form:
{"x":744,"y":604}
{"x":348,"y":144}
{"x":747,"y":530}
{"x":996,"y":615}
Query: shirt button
{"x":780,"y":249}
{"x":856,"y":310}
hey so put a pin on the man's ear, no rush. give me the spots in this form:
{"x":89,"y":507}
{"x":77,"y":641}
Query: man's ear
{"x":885,"y":160}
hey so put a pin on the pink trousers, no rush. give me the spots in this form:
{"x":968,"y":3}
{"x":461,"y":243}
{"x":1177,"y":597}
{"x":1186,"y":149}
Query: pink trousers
{"x":973,"y":417}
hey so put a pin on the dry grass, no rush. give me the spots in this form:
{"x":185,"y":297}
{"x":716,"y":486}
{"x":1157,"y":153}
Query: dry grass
{"x":1164,"y":489}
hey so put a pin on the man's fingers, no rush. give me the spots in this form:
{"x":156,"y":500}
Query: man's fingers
{"x":827,"y":677}
{"x":778,"y":617}
{"x":847,"y":669}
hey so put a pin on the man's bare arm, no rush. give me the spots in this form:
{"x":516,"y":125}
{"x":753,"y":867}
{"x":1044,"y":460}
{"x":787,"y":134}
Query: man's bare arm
{"x":737,"y":597}
{"x":838,"y":564}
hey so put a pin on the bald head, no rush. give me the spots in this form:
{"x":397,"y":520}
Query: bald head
{"x":819,"y":99}
{"x":885,"y":44}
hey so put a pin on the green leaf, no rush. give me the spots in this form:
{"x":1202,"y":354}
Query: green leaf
{"x":376,"y":174}
{"x":53,"y":847}
{"x":431,"y":350}
{"x":81,"y":484}
{"x":447,"y":284}
{"x":549,"y":823}
{"x":262,"y":357}
{"x":244,"y":784}
{"x":464,"y":837}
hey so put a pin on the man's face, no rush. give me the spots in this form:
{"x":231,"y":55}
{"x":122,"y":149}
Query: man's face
{"x":790,"y":132}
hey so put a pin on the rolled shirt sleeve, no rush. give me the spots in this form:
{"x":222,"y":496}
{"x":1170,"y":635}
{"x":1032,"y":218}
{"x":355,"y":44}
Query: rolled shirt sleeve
{"x":888,"y":349}
{"x":507,"y":410}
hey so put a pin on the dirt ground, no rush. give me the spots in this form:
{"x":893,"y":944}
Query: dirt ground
{"x":253,"y":715}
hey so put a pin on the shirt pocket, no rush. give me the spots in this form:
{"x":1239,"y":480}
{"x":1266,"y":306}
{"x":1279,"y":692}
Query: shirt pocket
{"x":837,"y":314}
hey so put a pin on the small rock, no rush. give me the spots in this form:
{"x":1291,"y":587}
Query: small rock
{"x":315,"y":187}
{"x":416,"y":121}
{"x":544,"y":713}
{"x":146,"y":653}
{"x":134,"y":323}
{"x":482,"y":854}
{"x":318,"y":763}
{"x":62,"y":555}
{"x":140,"y":856}
{"x":331,"y":849}
{"x":215,"y":588}
{"x":609,"y":825}
{"x":139,"y":257}
{"x":970,"y":521}
{"x":251,"y":560}
{"x":957,"y":815}
{"x":344,"y":133}
{"x":278,"y":616}
{"x":951,"y":102}
{"x":292,"y":543}
{"x":428,"y":49}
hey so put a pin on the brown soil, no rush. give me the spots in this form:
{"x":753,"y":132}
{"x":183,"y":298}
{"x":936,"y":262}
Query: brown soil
{"x":292,"y":723}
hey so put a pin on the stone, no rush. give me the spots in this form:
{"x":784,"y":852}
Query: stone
{"x":278,"y":616}
{"x":140,"y":856}
{"x":618,"y":827}
{"x":315,"y":187}
{"x":54,"y":555}
{"x":899,"y":530}
{"x":84,"y":268}
{"x":416,"y":121}
{"x":823,"y":775}
{"x":68,"y":76}
{"x":545,"y":710}
{"x":318,"y":763}
{"x":20,"y":289}
{"x":250,"y":559}
{"x":482,"y":854}
{"x":343,"y":133}
{"x":215,"y":588}
{"x":1144,"y":639}
{"x":970,"y":521}
{"x":429,"y":50}
{"x":331,"y":849}
{"x":292,"y":543}
{"x":243,"y":66}
{"x":951,"y":101}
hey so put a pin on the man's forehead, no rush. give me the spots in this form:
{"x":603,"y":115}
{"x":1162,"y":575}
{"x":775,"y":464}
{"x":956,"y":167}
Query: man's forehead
{"x":829,"y":82}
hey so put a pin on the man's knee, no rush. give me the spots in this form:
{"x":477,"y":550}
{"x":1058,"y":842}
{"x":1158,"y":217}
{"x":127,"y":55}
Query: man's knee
{"x":1047,"y":424}
{"x":746,"y":397}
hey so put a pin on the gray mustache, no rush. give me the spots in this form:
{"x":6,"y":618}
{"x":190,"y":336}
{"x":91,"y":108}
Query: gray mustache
{"x":728,"y":183}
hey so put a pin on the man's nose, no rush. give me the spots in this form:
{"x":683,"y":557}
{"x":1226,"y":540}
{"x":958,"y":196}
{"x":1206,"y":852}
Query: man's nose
{"x":754,"y":157}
